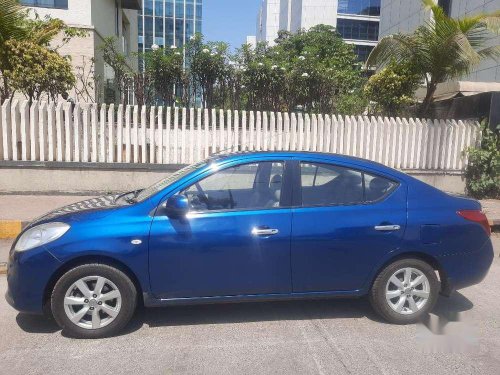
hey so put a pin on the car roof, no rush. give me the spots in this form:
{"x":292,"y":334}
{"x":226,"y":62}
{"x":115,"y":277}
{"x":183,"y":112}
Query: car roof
{"x":324,"y":156}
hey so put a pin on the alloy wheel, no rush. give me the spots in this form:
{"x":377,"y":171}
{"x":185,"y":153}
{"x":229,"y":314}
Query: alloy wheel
{"x":407,"y":291}
{"x":92,"y":302}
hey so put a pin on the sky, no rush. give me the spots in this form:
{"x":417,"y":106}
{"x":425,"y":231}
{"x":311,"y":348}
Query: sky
{"x":230,"y":21}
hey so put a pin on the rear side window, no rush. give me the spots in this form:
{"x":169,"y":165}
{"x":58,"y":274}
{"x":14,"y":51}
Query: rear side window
{"x":377,"y":187}
{"x":327,"y":185}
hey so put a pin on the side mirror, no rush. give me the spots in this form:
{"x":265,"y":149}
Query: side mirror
{"x":177,"y":206}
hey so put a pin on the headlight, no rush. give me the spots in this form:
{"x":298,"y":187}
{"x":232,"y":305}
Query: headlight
{"x":41,"y":235}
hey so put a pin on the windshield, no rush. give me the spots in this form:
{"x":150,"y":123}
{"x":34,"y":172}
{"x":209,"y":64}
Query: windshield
{"x":162,"y":184}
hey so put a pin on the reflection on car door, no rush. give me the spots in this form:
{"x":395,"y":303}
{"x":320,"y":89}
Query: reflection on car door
{"x":235,"y":241}
{"x":343,"y":226}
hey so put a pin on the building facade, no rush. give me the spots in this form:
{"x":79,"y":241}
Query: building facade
{"x":100,"y":19}
{"x":357,"y":21}
{"x":168,"y":23}
{"x":406,"y":15}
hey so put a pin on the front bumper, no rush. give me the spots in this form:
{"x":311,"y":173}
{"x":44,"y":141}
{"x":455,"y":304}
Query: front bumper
{"x":28,"y":274}
{"x":466,"y":269}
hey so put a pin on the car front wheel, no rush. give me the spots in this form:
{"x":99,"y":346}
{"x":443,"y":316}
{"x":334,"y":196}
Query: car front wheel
{"x":405,"y":291}
{"x":93,"y":301}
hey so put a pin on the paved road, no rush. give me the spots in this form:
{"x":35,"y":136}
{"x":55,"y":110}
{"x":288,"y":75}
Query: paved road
{"x":315,"y":337}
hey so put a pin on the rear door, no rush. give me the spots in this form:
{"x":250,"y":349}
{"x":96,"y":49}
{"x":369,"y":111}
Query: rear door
{"x":347,"y":220}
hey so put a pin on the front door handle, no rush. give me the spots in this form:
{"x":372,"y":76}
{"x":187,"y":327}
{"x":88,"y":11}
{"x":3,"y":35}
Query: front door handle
{"x":264,"y":231}
{"x":387,"y":228}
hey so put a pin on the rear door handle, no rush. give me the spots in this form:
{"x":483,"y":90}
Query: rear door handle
{"x":387,"y":228}
{"x":264,"y":231}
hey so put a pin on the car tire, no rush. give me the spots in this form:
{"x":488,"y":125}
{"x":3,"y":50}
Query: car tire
{"x":93,"y":301}
{"x":391,"y":294}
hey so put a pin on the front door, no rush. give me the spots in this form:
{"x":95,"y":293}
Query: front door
{"x":234,"y":241}
{"x":348,"y":220}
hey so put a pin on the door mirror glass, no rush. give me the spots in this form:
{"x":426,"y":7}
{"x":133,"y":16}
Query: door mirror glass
{"x":177,"y":206}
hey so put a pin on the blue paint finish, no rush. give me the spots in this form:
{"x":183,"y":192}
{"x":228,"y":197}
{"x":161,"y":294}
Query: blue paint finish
{"x":213,"y":256}
{"x":335,"y":248}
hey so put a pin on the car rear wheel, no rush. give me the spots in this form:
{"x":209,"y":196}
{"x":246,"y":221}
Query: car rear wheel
{"x":93,"y":301}
{"x":405,"y":291}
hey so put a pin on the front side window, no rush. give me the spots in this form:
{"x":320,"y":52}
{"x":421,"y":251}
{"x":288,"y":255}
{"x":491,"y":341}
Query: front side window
{"x":330,"y":185}
{"x":244,"y":187}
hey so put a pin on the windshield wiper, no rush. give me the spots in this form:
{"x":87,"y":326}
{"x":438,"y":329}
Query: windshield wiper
{"x":129,"y":199}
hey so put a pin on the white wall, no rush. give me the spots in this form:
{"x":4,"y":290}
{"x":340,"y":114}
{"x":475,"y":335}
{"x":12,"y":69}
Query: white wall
{"x":315,"y":12}
{"x":78,"y":13}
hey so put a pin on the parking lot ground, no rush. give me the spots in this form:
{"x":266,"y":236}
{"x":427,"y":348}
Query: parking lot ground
{"x":462,"y":336}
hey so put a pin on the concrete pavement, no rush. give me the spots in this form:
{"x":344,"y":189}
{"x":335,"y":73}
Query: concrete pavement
{"x":462,"y":336}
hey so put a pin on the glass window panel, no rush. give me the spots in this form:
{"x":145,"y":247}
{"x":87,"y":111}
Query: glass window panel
{"x":189,"y":29}
{"x":179,"y":8}
{"x":139,"y":25}
{"x":190,"y":9}
{"x":198,"y":26}
{"x":169,"y":8}
{"x":159,"y":8}
{"x":249,"y":186}
{"x":361,"y":7}
{"x":179,"y":32}
{"x":363,"y":52}
{"x":356,"y":29}
{"x":169,"y":31}
{"x":59,"y":4}
{"x":199,"y":10}
{"x":377,"y":187}
{"x":158,"y":27}
{"x":446,"y":5}
{"x":148,"y":7}
{"x":326,"y":184}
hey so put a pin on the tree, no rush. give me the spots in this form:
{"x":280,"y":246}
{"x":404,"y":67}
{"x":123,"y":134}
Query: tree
{"x":442,"y":49}
{"x":164,"y":66}
{"x":311,"y":69}
{"x":392,"y":88}
{"x":11,"y":28}
{"x":35,"y":70}
{"x":18,"y":28}
{"x":207,"y":64}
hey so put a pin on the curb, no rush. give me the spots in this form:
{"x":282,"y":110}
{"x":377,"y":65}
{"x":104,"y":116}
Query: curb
{"x":9,"y":229}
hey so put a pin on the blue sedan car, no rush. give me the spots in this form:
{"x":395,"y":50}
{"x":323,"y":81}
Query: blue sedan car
{"x":251,"y":227}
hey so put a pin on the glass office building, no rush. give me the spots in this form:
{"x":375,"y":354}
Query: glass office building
{"x":358,"y":22}
{"x":168,"y":22}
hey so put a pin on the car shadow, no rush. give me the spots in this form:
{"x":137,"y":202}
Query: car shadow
{"x":231,"y":313}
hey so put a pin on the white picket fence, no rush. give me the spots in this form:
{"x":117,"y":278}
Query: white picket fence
{"x":133,"y":134}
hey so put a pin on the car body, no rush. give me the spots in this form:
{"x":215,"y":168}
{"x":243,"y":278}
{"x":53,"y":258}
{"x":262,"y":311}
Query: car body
{"x":284,"y":225}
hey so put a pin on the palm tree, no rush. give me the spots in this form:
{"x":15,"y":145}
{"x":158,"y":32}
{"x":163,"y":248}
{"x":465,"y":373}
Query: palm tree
{"x":442,"y":49}
{"x":12,"y":18}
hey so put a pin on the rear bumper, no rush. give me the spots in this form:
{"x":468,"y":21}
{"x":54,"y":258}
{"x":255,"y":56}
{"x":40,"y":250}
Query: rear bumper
{"x":466,"y":269}
{"x":28,"y":274}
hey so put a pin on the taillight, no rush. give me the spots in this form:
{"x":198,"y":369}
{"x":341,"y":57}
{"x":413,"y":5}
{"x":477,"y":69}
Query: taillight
{"x":477,"y":217}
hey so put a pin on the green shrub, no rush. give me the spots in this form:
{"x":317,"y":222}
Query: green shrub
{"x":483,"y":172}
